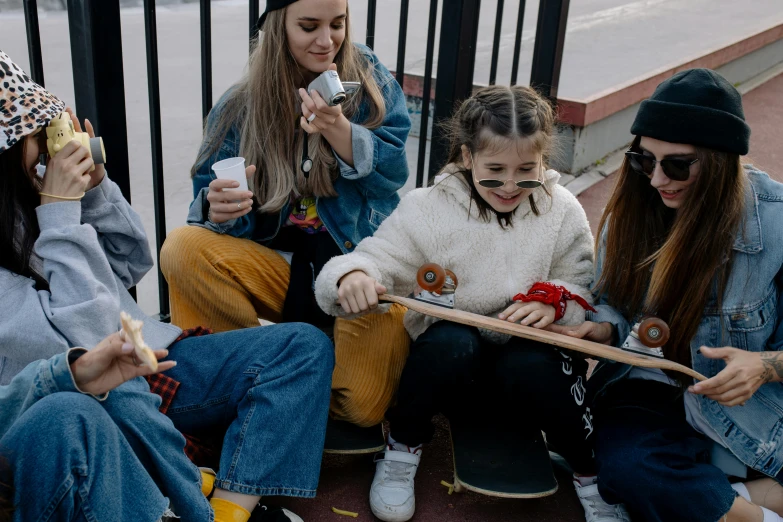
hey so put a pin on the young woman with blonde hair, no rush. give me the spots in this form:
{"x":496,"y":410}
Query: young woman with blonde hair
{"x":322,"y":178}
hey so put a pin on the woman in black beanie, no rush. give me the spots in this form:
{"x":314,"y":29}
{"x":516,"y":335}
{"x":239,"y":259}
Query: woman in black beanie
{"x":693,"y":237}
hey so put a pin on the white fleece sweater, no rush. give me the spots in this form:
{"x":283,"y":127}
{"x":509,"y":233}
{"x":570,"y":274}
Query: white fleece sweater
{"x":438,"y":224}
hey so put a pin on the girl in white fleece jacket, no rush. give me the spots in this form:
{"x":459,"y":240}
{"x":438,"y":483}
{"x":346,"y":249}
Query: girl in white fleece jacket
{"x":498,"y":219}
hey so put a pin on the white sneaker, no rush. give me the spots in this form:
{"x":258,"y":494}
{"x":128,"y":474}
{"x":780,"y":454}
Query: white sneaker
{"x":391,"y":495}
{"x":596,"y":508}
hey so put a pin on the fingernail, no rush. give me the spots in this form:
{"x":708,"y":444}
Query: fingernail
{"x":127,"y":348}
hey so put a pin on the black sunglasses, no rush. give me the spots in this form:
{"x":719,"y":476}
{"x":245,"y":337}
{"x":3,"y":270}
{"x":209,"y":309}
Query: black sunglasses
{"x":676,"y":169}
{"x":497,"y":183}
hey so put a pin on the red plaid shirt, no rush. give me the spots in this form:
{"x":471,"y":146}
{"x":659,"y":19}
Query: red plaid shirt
{"x":200,"y":452}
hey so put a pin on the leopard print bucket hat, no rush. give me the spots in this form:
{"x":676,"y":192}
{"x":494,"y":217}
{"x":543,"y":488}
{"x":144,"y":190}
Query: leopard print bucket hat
{"x":24,"y":105}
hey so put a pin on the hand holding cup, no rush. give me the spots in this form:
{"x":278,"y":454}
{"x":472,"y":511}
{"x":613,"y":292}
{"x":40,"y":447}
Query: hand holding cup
{"x":228,"y":199}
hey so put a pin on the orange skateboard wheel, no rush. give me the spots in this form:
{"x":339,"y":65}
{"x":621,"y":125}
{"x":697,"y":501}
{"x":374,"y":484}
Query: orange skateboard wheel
{"x":653,"y":332}
{"x":431,"y":277}
{"x":453,"y":277}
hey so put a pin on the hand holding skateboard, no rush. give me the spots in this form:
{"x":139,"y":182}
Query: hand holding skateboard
{"x":435,"y":297}
{"x":358,"y":292}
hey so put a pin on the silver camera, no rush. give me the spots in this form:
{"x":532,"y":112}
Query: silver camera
{"x":331,"y":89}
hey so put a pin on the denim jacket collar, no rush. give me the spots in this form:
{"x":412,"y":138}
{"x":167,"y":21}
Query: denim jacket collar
{"x":750,"y":240}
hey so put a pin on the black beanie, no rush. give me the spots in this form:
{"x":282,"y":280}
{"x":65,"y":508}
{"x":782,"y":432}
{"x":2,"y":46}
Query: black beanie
{"x":698,"y":107}
{"x":272,"y":5}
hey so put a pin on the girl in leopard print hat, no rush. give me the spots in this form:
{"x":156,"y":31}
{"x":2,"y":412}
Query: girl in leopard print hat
{"x":70,"y":247}
{"x":25,"y":106}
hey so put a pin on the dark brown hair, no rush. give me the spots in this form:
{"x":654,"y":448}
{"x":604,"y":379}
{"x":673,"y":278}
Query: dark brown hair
{"x":488,"y":119}
{"x":665,"y":262}
{"x":18,"y":221}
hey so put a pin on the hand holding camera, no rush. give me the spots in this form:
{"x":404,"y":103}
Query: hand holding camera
{"x":321,"y":109}
{"x":67,"y":174}
{"x":97,"y":150}
{"x":71,"y":170}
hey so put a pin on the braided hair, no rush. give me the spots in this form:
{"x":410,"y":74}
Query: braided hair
{"x":487,"y":120}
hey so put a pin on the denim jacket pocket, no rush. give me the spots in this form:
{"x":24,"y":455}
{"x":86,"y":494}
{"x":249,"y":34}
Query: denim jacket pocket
{"x":750,"y":328}
{"x":376,"y":218}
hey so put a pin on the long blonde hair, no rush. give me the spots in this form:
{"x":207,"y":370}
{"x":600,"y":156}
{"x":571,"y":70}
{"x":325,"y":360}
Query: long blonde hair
{"x":266,"y":104}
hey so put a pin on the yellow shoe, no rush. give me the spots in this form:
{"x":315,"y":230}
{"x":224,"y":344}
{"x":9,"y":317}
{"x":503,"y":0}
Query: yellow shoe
{"x":207,"y":481}
{"x":226,"y":511}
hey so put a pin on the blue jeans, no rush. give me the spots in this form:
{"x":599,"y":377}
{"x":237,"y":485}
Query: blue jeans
{"x":68,"y":461}
{"x":268,"y":388}
{"x":652,"y":460}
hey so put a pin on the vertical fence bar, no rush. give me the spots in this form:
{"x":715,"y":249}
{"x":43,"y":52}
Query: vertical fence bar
{"x":456,"y":60}
{"x":371,"y":24}
{"x":99,"y":81}
{"x":158,"y":189}
{"x":493,"y":68}
{"x":425,"y":95}
{"x":517,"y":43}
{"x":548,"y":50}
{"x":98,"y":78}
{"x":206,"y":58}
{"x":253,"y":15}
{"x":33,"y":40}
{"x":402,"y":39}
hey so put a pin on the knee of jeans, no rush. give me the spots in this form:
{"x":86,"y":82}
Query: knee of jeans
{"x":132,"y":401}
{"x":622,"y":468}
{"x":68,"y":411}
{"x":309,"y":343}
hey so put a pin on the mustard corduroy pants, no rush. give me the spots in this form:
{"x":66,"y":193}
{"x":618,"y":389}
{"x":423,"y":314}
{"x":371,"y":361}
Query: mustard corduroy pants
{"x":225,"y":283}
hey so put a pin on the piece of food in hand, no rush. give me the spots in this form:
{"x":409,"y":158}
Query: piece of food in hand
{"x":132,"y":329}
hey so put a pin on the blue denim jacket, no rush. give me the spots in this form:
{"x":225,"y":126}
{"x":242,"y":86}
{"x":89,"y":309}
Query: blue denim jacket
{"x":367,"y":191}
{"x":750,"y":318}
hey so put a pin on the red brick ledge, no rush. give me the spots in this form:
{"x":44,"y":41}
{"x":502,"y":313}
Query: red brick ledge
{"x":614,"y":99}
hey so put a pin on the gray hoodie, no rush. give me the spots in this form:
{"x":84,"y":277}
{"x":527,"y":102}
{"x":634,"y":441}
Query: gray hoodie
{"x":91,"y":251}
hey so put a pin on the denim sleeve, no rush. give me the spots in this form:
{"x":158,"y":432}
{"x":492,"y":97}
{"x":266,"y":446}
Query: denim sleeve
{"x":120,"y":231}
{"x":380,"y":163}
{"x":604,"y":312}
{"x":37,"y":380}
{"x":198,"y":214}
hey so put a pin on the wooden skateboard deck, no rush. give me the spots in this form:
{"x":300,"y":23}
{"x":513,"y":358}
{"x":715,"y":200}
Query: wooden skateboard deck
{"x":345,"y":438}
{"x":544,"y":336}
{"x":501,"y":462}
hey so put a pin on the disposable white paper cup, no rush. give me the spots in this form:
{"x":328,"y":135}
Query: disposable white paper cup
{"x":232,"y":168}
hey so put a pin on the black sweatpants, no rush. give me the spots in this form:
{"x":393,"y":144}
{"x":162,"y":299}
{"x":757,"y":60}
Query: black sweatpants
{"x":452,"y":370}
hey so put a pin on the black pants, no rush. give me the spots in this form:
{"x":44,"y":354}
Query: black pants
{"x":452,"y":370}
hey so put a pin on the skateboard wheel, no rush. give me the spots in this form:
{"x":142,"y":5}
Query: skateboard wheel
{"x":453,"y":277}
{"x":458,"y":488}
{"x":653,"y":332}
{"x":431,"y":277}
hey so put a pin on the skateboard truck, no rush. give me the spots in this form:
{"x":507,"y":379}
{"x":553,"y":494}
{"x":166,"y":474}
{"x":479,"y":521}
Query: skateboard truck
{"x":435,"y":285}
{"x":647,"y":337}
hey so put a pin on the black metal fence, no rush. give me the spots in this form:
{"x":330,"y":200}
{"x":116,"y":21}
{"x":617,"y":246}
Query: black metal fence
{"x":98,"y":76}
